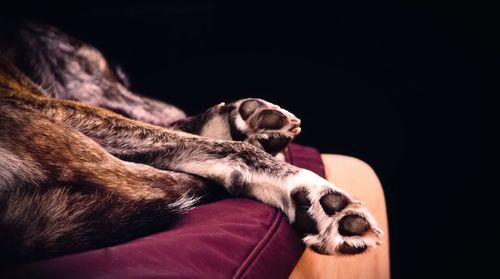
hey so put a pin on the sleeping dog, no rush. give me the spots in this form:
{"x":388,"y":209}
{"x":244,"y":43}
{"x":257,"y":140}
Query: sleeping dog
{"x":86,"y":163}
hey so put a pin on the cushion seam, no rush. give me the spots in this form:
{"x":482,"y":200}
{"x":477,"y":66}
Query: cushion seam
{"x":250,"y":259}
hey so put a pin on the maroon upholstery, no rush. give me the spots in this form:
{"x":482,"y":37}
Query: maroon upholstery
{"x":305,"y":157}
{"x":231,"y":238}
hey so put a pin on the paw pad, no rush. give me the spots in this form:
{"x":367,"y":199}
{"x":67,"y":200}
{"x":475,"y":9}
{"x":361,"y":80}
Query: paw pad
{"x":271,"y":119}
{"x":248,"y":107}
{"x":330,"y":220}
{"x":304,"y":223}
{"x":333,"y":202}
{"x":347,"y":249}
{"x":353,"y":225}
{"x":263,"y":124}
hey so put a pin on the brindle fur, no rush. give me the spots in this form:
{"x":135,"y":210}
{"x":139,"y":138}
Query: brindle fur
{"x":75,"y":176}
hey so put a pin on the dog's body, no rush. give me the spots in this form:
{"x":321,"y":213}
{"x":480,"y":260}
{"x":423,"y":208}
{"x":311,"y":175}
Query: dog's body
{"x":75,"y":176}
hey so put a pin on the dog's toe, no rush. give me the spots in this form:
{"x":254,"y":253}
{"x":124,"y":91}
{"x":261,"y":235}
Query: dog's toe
{"x":333,"y":202}
{"x":353,"y":225}
{"x":264,"y":124}
{"x":331,"y":221}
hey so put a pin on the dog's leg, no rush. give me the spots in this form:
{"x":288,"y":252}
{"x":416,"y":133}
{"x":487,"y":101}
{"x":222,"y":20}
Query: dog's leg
{"x":255,"y":121}
{"x":332,"y":221}
{"x":61,"y":192}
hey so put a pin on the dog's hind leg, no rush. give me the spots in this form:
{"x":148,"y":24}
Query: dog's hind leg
{"x":61,"y":192}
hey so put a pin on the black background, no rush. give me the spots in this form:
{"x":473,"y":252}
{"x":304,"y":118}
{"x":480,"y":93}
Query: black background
{"x":384,"y":82}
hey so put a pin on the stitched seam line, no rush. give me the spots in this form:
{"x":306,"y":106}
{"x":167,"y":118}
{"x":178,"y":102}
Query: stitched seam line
{"x":260,"y":246}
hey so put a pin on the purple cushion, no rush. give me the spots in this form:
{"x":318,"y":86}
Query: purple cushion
{"x":237,"y":238}
{"x":305,"y":157}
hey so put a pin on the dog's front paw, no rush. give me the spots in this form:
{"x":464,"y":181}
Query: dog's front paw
{"x":330,"y":221}
{"x":263,"y":124}
{"x":255,"y":121}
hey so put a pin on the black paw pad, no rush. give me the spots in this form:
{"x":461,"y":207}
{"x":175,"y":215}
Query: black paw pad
{"x":318,"y":249}
{"x":248,"y":107}
{"x":345,"y":248}
{"x":299,"y":196}
{"x":353,"y":225}
{"x":304,"y":223}
{"x":333,"y":202}
{"x":274,"y":143}
{"x":271,"y":119}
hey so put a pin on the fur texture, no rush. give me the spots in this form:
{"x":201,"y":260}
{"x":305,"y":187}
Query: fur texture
{"x":76,"y":176}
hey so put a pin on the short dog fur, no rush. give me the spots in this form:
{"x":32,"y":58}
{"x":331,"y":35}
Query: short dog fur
{"x":86,"y":163}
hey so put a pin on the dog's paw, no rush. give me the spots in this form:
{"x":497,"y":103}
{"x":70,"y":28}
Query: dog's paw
{"x":331,"y":221}
{"x":255,"y":121}
{"x":263,"y":124}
